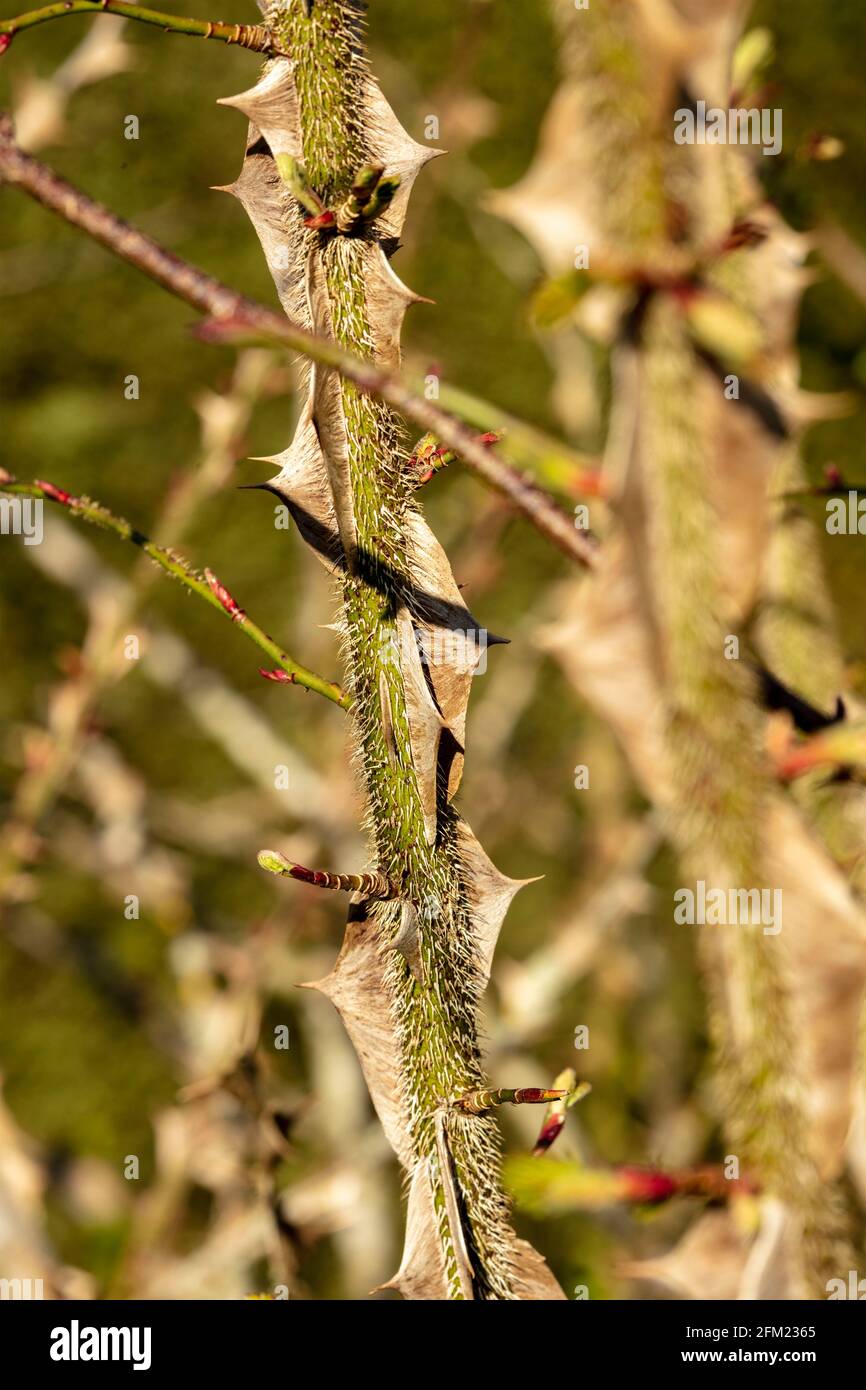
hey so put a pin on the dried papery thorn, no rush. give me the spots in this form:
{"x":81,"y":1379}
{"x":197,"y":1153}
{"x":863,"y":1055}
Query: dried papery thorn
{"x":370,"y":885}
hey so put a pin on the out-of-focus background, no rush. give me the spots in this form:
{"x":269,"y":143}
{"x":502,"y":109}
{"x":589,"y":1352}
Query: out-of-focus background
{"x":159,"y":1135}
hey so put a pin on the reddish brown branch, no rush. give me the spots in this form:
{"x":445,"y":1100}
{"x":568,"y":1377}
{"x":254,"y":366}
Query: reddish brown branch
{"x":232,"y":317}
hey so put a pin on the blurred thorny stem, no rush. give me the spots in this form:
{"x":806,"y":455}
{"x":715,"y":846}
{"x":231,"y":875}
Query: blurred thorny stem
{"x":232,"y":318}
{"x":715,"y":787}
{"x":253,"y":36}
{"x":205,"y":585}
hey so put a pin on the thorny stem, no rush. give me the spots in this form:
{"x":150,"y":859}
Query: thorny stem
{"x":233,"y":317}
{"x":206,"y":586}
{"x":253,"y":36}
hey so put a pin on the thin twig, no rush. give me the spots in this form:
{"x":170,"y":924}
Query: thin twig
{"x":840,"y":746}
{"x":562,"y":468}
{"x":233,"y":317}
{"x":556,"y":1186}
{"x":205,"y":585}
{"x":371,"y":884}
{"x":253,"y":36}
{"x":479,"y":1102}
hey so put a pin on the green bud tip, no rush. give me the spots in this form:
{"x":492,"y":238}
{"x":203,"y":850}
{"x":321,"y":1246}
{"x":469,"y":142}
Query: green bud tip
{"x":366,"y":178}
{"x":273,"y":861}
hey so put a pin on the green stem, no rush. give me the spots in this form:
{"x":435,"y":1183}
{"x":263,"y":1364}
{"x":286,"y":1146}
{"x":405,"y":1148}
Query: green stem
{"x":560,"y":467}
{"x":559,"y":1186}
{"x":253,"y":36}
{"x":207,"y":588}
